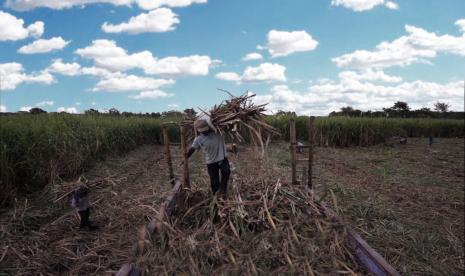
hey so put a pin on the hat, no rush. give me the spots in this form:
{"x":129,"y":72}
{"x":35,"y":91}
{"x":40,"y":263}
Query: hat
{"x":201,"y":125}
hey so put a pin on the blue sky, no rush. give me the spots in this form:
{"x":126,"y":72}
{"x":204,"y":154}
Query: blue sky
{"x":311,"y":57}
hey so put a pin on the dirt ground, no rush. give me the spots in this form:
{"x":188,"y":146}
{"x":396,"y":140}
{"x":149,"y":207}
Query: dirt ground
{"x":407,"y":201}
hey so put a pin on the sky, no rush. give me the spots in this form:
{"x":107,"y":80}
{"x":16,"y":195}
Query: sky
{"x":307,"y":56}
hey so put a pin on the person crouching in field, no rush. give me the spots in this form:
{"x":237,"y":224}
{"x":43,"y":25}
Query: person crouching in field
{"x":80,"y":201}
{"x":213,"y":145}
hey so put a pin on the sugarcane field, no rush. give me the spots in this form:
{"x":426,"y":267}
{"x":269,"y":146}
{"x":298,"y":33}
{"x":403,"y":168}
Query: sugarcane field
{"x":212,"y":137}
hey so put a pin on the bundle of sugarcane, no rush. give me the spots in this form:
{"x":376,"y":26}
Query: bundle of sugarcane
{"x":228,"y":117}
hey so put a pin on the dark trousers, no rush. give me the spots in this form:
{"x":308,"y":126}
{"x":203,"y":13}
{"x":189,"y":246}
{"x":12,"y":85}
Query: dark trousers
{"x":84,"y":218}
{"x":214,"y":170}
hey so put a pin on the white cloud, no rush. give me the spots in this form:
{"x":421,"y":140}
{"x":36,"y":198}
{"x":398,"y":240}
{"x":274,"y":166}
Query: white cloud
{"x":282,"y":43}
{"x":265,"y":72}
{"x":3,"y":108}
{"x":173,"y":106}
{"x":24,"y":5}
{"x":155,"y":21}
{"x":39,"y":104}
{"x":45,"y":103}
{"x":11,"y":28}
{"x":36,"y":29}
{"x":228,"y":76}
{"x":418,"y":46}
{"x":44,"y":46}
{"x":67,"y":69}
{"x":25,"y":108}
{"x":106,"y":54}
{"x":152,"y":4}
{"x":364,"y":5}
{"x":324,"y":97}
{"x":153,"y":94}
{"x":13,"y":75}
{"x":392,"y":5}
{"x":252,"y":56}
{"x":71,"y":110}
{"x":181,"y":66}
{"x":369,"y":75}
{"x":461,"y":24}
{"x":130,"y":83}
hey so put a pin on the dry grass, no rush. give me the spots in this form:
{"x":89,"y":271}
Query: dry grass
{"x":40,"y":237}
{"x":407,"y":201}
{"x":264,"y":227}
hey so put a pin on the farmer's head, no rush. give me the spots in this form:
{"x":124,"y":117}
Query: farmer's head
{"x":202,"y":126}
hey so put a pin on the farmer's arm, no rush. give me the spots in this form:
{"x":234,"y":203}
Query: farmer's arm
{"x":190,"y":152}
{"x":195,"y":146}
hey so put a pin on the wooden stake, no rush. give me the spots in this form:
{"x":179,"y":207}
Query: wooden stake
{"x":185,"y":169}
{"x":293,"y":149}
{"x":310,"y":150}
{"x":168,"y":154}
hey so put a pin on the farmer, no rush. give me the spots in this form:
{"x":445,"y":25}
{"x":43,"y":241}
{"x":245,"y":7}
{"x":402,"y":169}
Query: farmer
{"x":80,"y":201}
{"x":214,"y":148}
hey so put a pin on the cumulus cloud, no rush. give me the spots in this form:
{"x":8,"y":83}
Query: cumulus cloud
{"x":282,"y":43}
{"x":252,"y":56}
{"x":417,"y":46}
{"x":265,"y":72}
{"x":25,"y":108}
{"x":392,"y":5}
{"x":364,"y":5}
{"x":152,"y":4}
{"x":323,"y":97}
{"x":45,"y":103}
{"x":228,"y":76}
{"x":153,"y":94}
{"x":156,"y":21}
{"x":41,"y":46}
{"x":130,"y":83}
{"x":3,"y":108}
{"x":12,"y":28}
{"x":194,"y":65}
{"x":461,"y":24}
{"x":67,"y":69}
{"x":13,"y":75}
{"x":106,"y":54}
{"x":71,"y":110}
{"x":24,"y":5}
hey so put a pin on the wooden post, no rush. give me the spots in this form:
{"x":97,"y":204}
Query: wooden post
{"x":185,"y":169}
{"x":168,"y":154}
{"x":293,"y":149}
{"x":310,"y":150}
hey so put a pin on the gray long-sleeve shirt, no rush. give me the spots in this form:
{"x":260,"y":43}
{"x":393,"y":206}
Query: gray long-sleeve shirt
{"x":213,"y":146}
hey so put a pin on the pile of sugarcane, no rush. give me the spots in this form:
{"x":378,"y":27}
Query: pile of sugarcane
{"x":264,"y":227}
{"x":239,"y":115}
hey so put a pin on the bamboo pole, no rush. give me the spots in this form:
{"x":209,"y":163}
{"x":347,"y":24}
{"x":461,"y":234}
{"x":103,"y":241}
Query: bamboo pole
{"x":168,"y":154}
{"x":185,"y":178}
{"x":293,"y":149}
{"x":311,"y":124}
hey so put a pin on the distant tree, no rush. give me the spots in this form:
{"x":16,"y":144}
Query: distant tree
{"x":190,"y":112}
{"x":399,"y":109}
{"x":113,"y":111}
{"x":441,"y":107}
{"x":155,"y":115}
{"x":126,"y":114}
{"x":285,"y":113}
{"x":36,"y":110}
{"x":401,"y":106}
{"x":91,"y":112}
